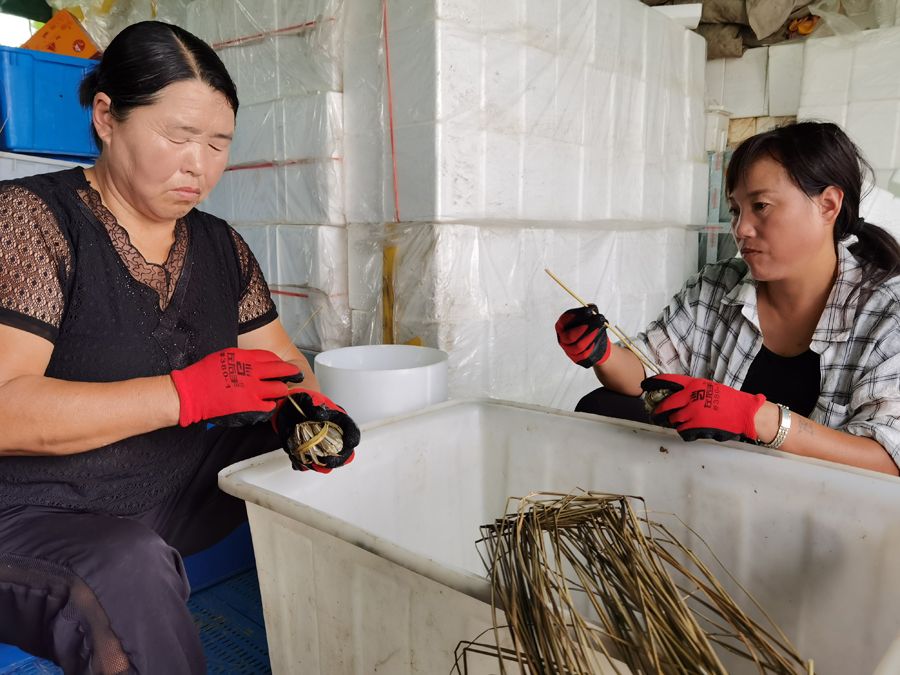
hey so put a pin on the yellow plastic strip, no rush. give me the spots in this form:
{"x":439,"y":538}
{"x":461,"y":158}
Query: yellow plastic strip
{"x":387,"y":295}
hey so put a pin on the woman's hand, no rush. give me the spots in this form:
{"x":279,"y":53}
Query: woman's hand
{"x":581,"y":332}
{"x":233,"y":386}
{"x":700,"y":408}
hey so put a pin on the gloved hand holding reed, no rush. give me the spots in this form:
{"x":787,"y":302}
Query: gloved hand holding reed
{"x":581,"y":333}
{"x":583,"y":579}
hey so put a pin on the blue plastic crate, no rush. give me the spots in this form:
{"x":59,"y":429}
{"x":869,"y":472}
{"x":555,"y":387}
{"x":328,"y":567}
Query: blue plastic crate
{"x":39,"y":104}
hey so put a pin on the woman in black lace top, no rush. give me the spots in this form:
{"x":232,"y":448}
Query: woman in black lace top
{"x":140,"y":352}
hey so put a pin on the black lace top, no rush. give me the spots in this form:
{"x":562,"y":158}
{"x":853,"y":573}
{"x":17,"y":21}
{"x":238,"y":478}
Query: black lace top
{"x":36,"y":261}
{"x":69,"y":273}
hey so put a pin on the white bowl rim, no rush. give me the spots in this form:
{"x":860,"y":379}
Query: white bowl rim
{"x":440,"y":357}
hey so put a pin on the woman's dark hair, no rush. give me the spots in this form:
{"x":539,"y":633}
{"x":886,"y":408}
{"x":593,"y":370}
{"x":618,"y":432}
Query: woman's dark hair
{"x":145,"y":58}
{"x":817,"y":155}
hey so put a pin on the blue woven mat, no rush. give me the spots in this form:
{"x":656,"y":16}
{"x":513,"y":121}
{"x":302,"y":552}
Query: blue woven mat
{"x":232,"y":631}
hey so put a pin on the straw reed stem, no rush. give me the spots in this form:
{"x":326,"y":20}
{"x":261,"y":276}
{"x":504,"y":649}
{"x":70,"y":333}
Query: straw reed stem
{"x":589,"y":586}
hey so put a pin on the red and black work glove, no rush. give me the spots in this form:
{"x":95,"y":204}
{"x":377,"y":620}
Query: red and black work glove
{"x":700,"y":408}
{"x":581,"y":332}
{"x":305,"y":405}
{"x":233,"y":387}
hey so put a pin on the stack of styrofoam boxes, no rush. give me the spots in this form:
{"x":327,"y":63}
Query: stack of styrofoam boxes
{"x":479,"y":292}
{"x":283,"y":189}
{"x":759,"y":90}
{"x":531,"y":134}
{"x":765,"y":81}
{"x":577,"y":124}
{"x":739,"y":85}
{"x":854,"y":81}
{"x":869,"y":108}
{"x":546,"y":109}
{"x":784,"y":78}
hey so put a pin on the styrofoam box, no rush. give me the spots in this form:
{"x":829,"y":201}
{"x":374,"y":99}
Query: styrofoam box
{"x":825,"y":113}
{"x":300,"y":256}
{"x":873,"y":125}
{"x":477,"y":290}
{"x":283,"y":65}
{"x":306,"y":269}
{"x":301,"y":192}
{"x":572,"y":111}
{"x":367,"y":168}
{"x":784,"y":78}
{"x":827,"y":68}
{"x":374,"y":567}
{"x":293,"y":128}
{"x":14,"y":165}
{"x":745,"y":90}
{"x":483,"y":271}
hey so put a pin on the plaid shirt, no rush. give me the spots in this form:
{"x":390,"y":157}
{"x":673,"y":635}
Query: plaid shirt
{"x":711,"y":329}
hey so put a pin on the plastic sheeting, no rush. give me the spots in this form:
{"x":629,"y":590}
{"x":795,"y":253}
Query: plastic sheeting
{"x":578,"y":111}
{"x":582,"y":110}
{"x":479,"y":292}
{"x":305,"y":267}
{"x":569,"y":133}
{"x":274,"y":48}
{"x":103,"y":19}
{"x":853,"y":80}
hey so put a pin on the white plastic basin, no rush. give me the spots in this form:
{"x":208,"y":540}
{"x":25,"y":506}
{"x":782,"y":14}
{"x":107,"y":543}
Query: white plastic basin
{"x":373,"y":382}
{"x":374,"y":569}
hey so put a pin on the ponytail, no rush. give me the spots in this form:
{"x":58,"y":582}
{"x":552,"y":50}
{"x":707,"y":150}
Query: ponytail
{"x":877,"y":247}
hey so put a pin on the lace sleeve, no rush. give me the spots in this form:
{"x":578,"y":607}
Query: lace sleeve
{"x":35,"y":261}
{"x":256,"y":307}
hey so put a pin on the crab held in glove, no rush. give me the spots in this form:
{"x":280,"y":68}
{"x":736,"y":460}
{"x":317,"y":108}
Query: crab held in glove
{"x":315,"y":432}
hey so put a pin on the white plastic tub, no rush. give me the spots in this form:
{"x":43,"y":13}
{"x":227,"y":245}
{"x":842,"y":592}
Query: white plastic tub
{"x":374,"y":382}
{"x":373,"y":568}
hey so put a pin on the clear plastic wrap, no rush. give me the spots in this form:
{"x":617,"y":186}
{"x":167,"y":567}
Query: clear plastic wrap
{"x":274,"y":48}
{"x":582,"y":110}
{"x":103,"y":19}
{"x":479,"y":292}
{"x":853,"y":81}
{"x":305,"y":267}
{"x":887,"y":12}
{"x":293,"y":193}
{"x":522,"y":134}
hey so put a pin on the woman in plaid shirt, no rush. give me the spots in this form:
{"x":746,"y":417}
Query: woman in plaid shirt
{"x":794,"y":345}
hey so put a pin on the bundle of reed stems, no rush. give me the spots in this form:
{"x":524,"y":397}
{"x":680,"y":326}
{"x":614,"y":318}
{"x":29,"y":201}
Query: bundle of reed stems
{"x":582,"y":583}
